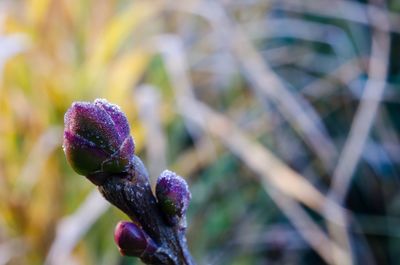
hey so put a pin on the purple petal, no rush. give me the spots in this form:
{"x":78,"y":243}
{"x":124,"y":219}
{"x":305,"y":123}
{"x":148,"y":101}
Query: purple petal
{"x":83,"y":155}
{"x":117,"y":116}
{"x":94,"y":124}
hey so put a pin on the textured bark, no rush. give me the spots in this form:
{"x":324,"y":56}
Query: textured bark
{"x":133,"y":196}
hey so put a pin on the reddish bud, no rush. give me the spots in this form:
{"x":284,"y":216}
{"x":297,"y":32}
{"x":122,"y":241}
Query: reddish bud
{"x":132,"y":240}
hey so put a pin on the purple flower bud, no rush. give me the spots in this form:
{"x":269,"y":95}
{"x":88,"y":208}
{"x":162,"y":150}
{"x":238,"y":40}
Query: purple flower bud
{"x":97,"y":138}
{"x":173,"y":195}
{"x":132,"y":240}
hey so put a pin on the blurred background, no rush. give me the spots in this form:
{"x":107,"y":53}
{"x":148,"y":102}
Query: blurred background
{"x":282,"y":115}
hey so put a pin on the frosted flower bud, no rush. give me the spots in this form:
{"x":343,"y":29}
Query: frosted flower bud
{"x":173,"y":196}
{"x":97,"y":139}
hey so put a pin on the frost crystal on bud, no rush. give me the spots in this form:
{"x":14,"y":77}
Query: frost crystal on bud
{"x":132,"y":240}
{"x":173,"y":195}
{"x":97,"y":138}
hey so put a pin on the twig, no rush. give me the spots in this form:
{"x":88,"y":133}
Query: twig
{"x":366,"y":111}
{"x":362,"y":123}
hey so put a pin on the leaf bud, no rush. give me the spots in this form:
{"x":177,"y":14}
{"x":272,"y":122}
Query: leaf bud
{"x":132,"y":240}
{"x":173,"y":196}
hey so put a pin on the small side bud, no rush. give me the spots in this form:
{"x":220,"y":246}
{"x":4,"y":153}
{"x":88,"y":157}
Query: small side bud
{"x":97,"y":139}
{"x":173,"y":197}
{"x":132,"y":240}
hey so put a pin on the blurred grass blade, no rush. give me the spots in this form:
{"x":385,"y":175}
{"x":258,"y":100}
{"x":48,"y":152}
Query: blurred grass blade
{"x":70,"y":229}
{"x":119,"y":29}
